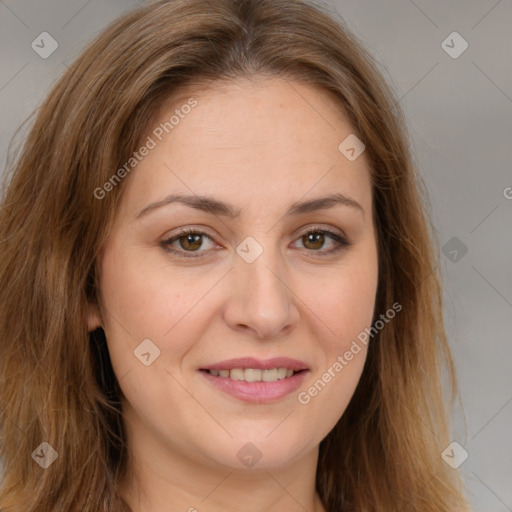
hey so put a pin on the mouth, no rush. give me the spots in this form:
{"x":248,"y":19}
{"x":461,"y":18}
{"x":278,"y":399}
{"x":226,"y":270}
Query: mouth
{"x":254,"y":380}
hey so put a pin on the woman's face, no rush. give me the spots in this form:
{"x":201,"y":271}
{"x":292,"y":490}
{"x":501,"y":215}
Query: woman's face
{"x":247,"y":282}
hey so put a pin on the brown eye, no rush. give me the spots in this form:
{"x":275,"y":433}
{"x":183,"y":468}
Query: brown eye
{"x":314,"y":239}
{"x":188,"y":240}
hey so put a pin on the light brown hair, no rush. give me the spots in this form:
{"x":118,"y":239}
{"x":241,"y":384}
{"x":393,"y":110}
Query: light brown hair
{"x":56,"y":381}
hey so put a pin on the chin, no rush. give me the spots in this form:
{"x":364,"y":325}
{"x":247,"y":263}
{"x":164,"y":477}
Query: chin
{"x":263,"y":451}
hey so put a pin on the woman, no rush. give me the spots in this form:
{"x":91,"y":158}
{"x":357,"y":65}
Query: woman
{"x":219,"y":291}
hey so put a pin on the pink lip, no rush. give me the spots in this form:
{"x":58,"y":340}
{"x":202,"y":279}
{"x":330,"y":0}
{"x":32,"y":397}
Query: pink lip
{"x":256,"y":392}
{"x":258,"y":364}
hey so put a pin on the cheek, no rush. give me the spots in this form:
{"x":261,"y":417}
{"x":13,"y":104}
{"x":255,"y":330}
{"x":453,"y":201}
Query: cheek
{"x":345,"y":301}
{"x":146,"y":299}
{"x":344,"y":308}
{"x":141,"y":297}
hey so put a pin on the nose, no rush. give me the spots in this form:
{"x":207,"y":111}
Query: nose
{"x":261,"y":297}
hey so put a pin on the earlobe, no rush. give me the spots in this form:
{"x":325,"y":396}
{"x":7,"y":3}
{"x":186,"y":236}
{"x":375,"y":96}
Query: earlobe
{"x":93,"y":317}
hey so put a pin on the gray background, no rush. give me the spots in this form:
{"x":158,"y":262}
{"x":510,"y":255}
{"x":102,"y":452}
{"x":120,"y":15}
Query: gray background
{"x":460,"y":116}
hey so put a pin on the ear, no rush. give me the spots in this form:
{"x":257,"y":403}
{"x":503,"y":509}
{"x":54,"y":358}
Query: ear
{"x":93,"y":317}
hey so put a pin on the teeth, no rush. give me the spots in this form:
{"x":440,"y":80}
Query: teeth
{"x":269,"y":375}
{"x":236,"y":374}
{"x":254,"y":375}
{"x":281,"y":373}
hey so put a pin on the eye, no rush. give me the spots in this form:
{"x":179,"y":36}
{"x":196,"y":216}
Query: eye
{"x":190,"y":242}
{"x":315,"y":239}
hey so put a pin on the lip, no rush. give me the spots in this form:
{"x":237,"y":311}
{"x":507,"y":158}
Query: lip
{"x":259,"y":364}
{"x":256,"y":392}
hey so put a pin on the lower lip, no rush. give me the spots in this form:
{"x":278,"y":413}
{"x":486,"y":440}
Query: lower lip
{"x":257,"y":392}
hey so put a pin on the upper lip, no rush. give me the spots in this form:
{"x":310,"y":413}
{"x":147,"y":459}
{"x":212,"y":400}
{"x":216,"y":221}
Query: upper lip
{"x":258,"y":364}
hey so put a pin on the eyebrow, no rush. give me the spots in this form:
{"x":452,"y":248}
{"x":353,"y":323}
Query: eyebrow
{"x":216,"y":207}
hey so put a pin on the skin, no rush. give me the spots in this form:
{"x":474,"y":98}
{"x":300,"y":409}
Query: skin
{"x":260,"y":144}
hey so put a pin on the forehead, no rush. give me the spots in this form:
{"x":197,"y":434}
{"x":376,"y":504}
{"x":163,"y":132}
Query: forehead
{"x":254,"y":112}
{"x":248,"y":137}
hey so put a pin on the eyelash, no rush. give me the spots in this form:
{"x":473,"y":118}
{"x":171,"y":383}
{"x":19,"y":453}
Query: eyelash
{"x":342,"y":242}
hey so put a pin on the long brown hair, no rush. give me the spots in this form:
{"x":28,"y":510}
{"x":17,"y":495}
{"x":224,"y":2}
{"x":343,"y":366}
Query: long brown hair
{"x":56,"y":381}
